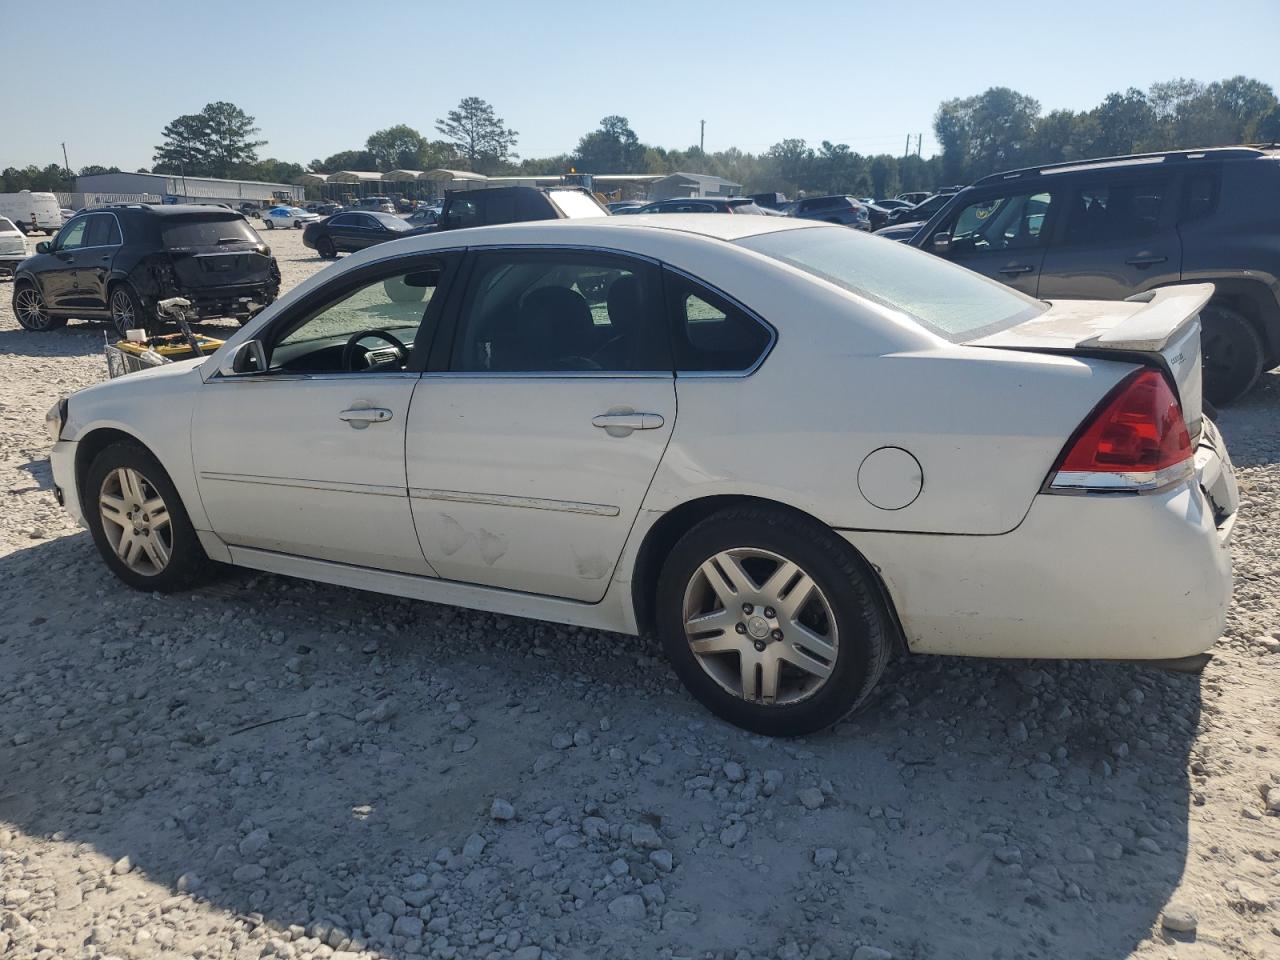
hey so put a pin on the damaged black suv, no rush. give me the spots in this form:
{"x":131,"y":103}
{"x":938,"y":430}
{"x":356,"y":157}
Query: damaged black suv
{"x":116,"y":263}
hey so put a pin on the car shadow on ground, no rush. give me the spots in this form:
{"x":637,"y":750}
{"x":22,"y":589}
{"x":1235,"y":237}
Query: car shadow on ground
{"x":298,"y":753}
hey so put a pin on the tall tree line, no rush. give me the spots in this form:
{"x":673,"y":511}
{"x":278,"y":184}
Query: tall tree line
{"x":991,"y":131}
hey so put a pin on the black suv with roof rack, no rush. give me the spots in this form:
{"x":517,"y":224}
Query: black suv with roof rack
{"x":116,"y":263}
{"x":1116,"y":227}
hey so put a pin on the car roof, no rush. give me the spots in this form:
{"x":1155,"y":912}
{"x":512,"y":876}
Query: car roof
{"x":714,"y":226}
{"x":166,"y":209}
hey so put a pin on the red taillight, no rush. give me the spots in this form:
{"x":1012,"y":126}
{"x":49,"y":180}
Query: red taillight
{"x":1137,"y":441}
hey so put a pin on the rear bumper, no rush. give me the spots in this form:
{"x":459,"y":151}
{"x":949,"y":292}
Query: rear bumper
{"x":241,"y":300}
{"x":1083,"y":577}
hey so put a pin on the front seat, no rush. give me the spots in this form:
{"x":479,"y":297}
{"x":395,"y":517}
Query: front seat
{"x":623,"y":304}
{"x":555,"y":330}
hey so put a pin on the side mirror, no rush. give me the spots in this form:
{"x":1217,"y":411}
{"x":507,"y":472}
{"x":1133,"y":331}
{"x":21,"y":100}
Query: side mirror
{"x":247,"y":357}
{"x":941,"y":244}
{"x":44,"y":246}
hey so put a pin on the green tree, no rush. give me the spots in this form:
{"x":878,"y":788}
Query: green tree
{"x":216,"y":142}
{"x":94,"y":169}
{"x":482,"y":138}
{"x":1124,"y":123}
{"x":397,"y":148}
{"x":986,"y":133}
{"x":613,"y":148}
{"x":344,"y":160}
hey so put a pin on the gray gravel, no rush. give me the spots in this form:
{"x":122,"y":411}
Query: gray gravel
{"x":273,"y":768}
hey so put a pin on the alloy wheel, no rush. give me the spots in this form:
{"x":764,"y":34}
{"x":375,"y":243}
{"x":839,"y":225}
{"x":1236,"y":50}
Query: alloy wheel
{"x":760,"y":626}
{"x":136,"y":521}
{"x":30,"y":308}
{"x":122,"y":314}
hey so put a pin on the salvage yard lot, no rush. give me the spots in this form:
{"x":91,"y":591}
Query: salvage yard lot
{"x":268,"y":767}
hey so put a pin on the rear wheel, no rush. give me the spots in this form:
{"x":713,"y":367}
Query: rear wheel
{"x":771,"y":621}
{"x":127,"y":311}
{"x":1232,"y":353}
{"x":138,"y":522}
{"x":326,"y":249}
{"x":32,"y":312}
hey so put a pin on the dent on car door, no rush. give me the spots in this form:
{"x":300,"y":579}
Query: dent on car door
{"x":306,"y":457}
{"x":531,"y":449}
{"x":1000,"y":236}
{"x":1116,"y":237}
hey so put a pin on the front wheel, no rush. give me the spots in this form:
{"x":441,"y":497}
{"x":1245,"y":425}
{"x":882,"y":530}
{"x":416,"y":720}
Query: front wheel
{"x":32,"y":312}
{"x":771,"y":621}
{"x":138,"y":522}
{"x":1232,"y":354}
{"x":326,"y":249}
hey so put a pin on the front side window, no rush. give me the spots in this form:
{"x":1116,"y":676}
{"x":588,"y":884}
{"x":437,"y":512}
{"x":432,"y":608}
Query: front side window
{"x":949,"y":300}
{"x":1111,"y":212}
{"x":561,"y":312}
{"x":1009,"y":222}
{"x":709,"y":333}
{"x":371,"y":328}
{"x":72,"y":236}
{"x":463,"y":213}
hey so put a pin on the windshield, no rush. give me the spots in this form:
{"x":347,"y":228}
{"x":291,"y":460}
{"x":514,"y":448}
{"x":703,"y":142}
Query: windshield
{"x":391,"y":222}
{"x":207,"y":232}
{"x":574,"y":204}
{"x":955,"y":303}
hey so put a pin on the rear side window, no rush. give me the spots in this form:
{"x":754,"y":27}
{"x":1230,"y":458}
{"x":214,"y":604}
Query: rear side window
{"x":103,"y":231}
{"x":1107,"y":212}
{"x":180,"y":234}
{"x":710,"y":334}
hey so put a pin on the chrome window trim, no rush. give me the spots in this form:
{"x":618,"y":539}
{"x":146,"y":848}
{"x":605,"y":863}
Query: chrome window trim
{"x":508,"y":500}
{"x":269,"y":376}
{"x":1084,"y":482}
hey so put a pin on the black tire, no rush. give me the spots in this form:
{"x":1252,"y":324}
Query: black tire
{"x":31,"y":311}
{"x":187,"y":563}
{"x":1232,"y":354}
{"x":864,"y":626}
{"x":127,"y":311}
{"x":326,"y":249}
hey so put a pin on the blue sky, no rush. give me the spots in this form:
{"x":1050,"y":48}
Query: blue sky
{"x":320,"y":76}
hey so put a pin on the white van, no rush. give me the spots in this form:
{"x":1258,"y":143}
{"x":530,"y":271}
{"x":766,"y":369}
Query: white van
{"x":32,"y":211}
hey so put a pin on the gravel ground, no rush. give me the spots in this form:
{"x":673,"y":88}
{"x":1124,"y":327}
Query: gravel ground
{"x":268,"y":767}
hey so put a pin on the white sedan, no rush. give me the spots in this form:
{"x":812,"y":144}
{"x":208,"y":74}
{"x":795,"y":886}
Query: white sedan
{"x":787,"y":448}
{"x":282,"y":218}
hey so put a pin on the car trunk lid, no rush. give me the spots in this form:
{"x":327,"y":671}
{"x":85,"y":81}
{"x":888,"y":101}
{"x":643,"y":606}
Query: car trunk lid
{"x":1160,"y":328}
{"x":216,"y":251}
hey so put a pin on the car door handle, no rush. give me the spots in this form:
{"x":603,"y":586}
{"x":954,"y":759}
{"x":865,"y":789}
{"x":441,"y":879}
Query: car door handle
{"x":628,"y":421}
{"x":365,"y":415}
{"x":1018,"y":268}
{"x":1145,"y":261}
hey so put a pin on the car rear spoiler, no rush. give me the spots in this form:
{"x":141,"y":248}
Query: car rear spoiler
{"x":1169,"y":310}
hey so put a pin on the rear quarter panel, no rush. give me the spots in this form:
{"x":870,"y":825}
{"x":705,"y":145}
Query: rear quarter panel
{"x":986,"y":425}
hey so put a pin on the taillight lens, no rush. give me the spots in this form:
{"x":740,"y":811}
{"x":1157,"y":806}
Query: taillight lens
{"x":1136,"y":442}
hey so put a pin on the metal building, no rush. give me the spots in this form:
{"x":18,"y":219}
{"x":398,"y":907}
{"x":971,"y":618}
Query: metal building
{"x":174,"y":188}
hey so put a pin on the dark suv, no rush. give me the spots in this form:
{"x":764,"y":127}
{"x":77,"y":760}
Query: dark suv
{"x":491,"y":205}
{"x":836,"y":209}
{"x":1112,"y":228}
{"x":116,"y":263}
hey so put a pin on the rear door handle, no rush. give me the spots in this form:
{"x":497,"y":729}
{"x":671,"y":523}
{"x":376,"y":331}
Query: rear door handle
{"x":1141,"y":261}
{"x":362,"y":417}
{"x":628,"y":421}
{"x":1019,"y":268}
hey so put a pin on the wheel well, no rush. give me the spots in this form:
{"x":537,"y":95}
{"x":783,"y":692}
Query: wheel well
{"x":92,"y":444}
{"x":1255,"y":302}
{"x":674,"y":524}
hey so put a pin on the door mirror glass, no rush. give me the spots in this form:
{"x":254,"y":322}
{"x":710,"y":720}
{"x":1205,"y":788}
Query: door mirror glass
{"x":247,"y":357}
{"x":942,"y":243}
{"x":44,"y":246}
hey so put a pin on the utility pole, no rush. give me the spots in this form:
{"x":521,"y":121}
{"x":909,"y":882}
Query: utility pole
{"x":65,"y":162}
{"x":919,"y":141}
{"x":906,"y":151}
{"x":702,"y":137}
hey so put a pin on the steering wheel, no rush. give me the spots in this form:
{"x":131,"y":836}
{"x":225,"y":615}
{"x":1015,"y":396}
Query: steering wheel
{"x":349,"y":351}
